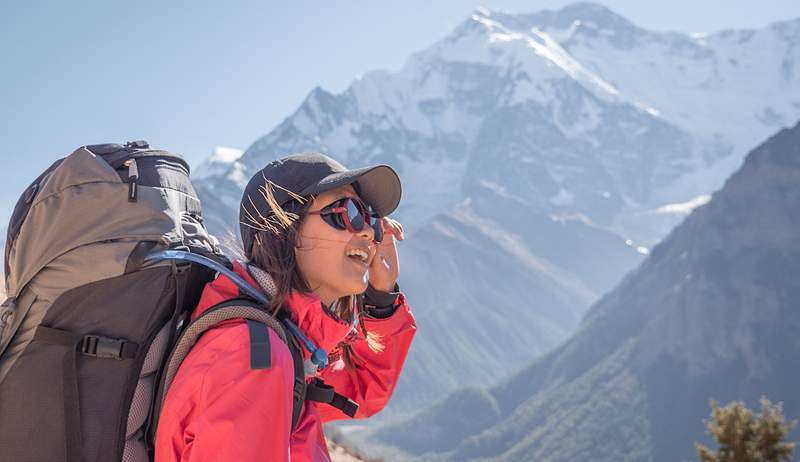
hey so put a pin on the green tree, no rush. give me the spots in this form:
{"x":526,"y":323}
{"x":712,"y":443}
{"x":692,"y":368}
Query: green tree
{"x":743,"y":437}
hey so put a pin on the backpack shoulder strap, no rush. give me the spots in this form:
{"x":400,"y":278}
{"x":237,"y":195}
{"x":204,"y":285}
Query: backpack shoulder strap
{"x":299,"y":385}
{"x":260,"y":359}
{"x":259,"y":322}
{"x":260,"y":354}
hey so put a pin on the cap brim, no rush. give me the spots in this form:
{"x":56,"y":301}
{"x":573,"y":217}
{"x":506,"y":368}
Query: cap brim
{"x":379,"y":186}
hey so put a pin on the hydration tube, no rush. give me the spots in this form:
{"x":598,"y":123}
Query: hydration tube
{"x":318,"y":355}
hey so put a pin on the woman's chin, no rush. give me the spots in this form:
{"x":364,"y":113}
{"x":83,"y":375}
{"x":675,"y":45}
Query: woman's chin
{"x":362,"y":285}
{"x":353,"y":278}
{"x":358,"y":287}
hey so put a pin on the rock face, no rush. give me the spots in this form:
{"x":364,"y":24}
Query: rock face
{"x":713,"y":312}
{"x":542,"y":155}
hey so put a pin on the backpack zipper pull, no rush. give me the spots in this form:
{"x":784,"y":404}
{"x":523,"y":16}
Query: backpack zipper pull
{"x":133,"y":178}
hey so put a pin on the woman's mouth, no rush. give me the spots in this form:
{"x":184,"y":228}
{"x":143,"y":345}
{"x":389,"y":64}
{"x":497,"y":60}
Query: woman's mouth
{"x":358,"y":256}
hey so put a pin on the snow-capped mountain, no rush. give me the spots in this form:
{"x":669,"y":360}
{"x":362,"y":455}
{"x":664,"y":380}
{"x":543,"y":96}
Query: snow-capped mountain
{"x":565,"y":143}
{"x":658,"y":117}
{"x":728,"y":89}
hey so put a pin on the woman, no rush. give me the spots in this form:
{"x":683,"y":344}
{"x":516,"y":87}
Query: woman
{"x":308,"y":241}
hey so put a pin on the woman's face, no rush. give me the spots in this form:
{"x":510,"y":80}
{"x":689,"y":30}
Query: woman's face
{"x":321,"y":252}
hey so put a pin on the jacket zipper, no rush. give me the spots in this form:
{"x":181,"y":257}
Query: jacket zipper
{"x":133,"y":178}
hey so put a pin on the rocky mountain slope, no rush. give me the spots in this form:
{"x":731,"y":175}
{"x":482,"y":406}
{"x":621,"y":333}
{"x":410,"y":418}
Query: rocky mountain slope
{"x":713,"y":312}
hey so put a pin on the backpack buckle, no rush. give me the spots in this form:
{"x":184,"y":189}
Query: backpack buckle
{"x":103,"y":347}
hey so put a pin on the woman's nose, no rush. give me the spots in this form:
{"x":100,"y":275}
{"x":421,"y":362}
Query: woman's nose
{"x":367,"y":233}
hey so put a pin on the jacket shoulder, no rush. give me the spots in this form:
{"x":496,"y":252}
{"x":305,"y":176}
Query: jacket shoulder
{"x":222,"y":357}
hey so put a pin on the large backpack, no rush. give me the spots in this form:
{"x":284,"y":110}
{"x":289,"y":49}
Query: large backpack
{"x":93,"y":331}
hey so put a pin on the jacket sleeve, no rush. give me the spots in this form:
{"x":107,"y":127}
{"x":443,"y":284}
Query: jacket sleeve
{"x":373,"y":376}
{"x":242,"y":414}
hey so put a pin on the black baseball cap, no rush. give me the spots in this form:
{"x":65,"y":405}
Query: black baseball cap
{"x":313,"y":173}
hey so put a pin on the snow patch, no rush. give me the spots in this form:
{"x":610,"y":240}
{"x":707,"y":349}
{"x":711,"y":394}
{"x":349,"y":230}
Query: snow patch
{"x":684,"y":208}
{"x":499,"y":190}
{"x":342,"y":139}
{"x":217,"y":163}
{"x":226,"y":154}
{"x":546,"y":46}
{"x":563,"y":198}
{"x":238,"y":174}
{"x":482,"y":10}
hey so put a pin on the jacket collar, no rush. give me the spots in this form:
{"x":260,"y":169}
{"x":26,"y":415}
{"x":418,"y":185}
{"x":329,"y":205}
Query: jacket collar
{"x":323,"y":327}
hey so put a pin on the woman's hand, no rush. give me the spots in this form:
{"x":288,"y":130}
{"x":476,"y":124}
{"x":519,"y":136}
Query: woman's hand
{"x":385,"y":266}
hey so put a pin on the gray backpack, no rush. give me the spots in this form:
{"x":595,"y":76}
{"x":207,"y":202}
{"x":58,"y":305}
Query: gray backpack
{"x":87,"y":323}
{"x":94,"y":330}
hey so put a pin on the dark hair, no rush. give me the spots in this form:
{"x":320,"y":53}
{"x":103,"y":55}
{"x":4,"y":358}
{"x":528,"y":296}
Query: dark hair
{"x":273,"y":250}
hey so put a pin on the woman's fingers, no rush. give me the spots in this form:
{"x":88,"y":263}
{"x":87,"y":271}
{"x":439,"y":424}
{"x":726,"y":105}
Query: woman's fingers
{"x":393,"y":227}
{"x":385,"y":267}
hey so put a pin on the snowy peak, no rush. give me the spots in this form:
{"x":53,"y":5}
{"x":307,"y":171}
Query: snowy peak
{"x":585,"y":12}
{"x":220,"y":161}
{"x":589,"y":21}
{"x":530,"y":57}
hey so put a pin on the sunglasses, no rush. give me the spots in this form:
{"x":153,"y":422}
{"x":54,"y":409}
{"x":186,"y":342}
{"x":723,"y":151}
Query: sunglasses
{"x":352,"y":215}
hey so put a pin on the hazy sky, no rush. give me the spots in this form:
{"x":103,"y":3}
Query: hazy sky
{"x":188,"y":76}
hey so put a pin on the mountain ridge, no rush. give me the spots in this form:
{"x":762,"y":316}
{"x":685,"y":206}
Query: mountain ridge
{"x":709,"y":314}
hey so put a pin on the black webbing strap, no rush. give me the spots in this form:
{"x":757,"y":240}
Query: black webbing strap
{"x":72,"y":408}
{"x":316,"y":390}
{"x":319,"y":391}
{"x":57,"y":337}
{"x":90,"y":345}
{"x":299,"y":386}
{"x":259,"y":345}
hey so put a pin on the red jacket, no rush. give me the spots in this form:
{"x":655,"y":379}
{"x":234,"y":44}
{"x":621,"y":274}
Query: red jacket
{"x":218,"y":409}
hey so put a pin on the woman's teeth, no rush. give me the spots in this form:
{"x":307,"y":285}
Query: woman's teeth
{"x":358,"y":253}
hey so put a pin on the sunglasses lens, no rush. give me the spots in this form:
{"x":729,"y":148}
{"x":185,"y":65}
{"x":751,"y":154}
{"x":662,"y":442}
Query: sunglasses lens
{"x":356,"y":215}
{"x":334,"y":219}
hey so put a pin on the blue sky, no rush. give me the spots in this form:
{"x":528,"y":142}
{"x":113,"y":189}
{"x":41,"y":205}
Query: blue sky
{"x":188,"y":76}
